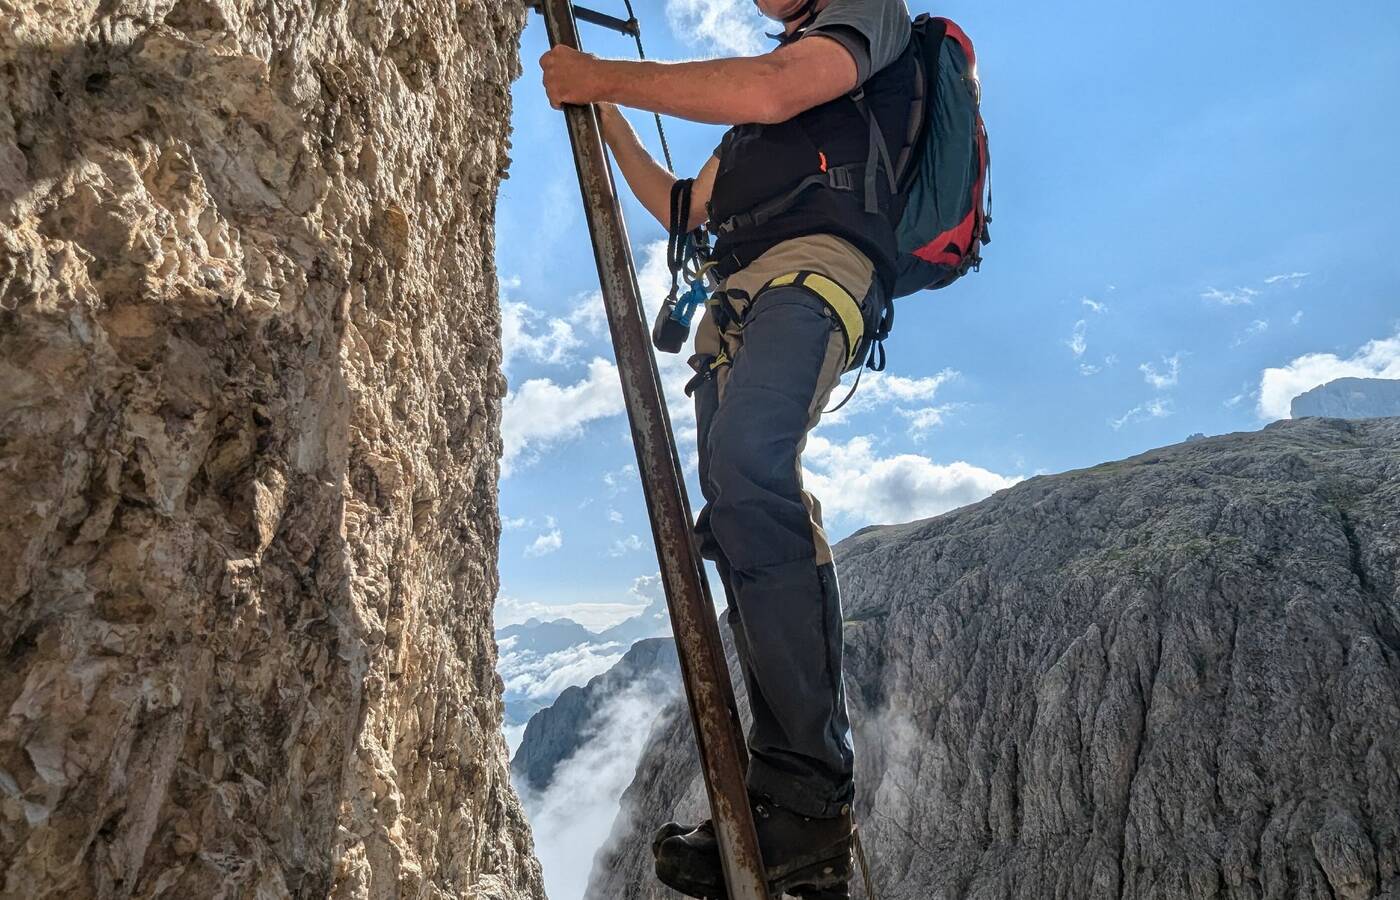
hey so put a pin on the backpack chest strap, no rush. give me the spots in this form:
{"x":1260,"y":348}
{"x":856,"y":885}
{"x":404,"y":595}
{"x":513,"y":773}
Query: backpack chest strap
{"x":837,"y":178}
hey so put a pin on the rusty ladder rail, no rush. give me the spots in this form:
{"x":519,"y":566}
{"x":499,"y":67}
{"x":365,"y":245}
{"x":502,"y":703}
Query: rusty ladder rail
{"x":723,"y":757}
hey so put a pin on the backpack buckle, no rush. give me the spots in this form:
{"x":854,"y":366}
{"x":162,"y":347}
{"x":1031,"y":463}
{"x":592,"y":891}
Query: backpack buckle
{"x":840,"y":178}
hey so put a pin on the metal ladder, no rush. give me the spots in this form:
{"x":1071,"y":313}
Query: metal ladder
{"x":723,"y":756}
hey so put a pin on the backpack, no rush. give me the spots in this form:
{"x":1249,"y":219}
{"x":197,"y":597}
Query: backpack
{"x":944,"y":170}
{"x":940,"y":183}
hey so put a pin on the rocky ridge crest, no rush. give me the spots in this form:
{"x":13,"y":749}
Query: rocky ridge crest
{"x":1350,"y":398}
{"x":1177,"y":675}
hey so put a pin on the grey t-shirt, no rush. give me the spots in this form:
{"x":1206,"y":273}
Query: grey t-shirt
{"x":875,"y":32}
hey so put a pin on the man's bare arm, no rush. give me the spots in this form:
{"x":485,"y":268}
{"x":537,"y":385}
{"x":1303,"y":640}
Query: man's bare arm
{"x":764,"y":89}
{"x":647,"y":178}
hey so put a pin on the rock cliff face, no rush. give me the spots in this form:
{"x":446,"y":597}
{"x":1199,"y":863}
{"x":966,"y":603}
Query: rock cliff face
{"x":1176,"y":676}
{"x":650,"y":668}
{"x":1350,"y":398}
{"x":249,"y":404}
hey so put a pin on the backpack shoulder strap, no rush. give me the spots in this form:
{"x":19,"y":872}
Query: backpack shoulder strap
{"x":878,"y":154}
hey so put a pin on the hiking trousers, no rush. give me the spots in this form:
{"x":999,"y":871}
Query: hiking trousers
{"x":764,"y":534}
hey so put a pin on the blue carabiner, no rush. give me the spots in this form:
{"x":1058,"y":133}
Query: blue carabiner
{"x":689,"y":302}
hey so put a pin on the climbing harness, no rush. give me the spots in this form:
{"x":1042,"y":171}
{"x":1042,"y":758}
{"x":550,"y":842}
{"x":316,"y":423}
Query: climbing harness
{"x":688,"y":257}
{"x":843,"y":306}
{"x":851,"y":320}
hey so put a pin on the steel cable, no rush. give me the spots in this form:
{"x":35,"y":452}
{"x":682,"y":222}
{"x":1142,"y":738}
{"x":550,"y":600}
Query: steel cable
{"x":642,"y":54}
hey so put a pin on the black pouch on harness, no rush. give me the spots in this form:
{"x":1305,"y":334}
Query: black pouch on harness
{"x":687,"y":254}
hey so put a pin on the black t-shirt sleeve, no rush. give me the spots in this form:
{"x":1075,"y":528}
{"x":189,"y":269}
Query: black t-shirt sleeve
{"x":874,"y":32}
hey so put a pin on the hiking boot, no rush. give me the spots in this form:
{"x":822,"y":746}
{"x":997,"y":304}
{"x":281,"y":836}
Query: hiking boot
{"x":836,"y":893}
{"x":805,"y":857}
{"x":675,"y":829}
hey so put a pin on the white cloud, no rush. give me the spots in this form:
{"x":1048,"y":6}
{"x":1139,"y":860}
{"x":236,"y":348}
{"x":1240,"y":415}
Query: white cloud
{"x":589,"y":315}
{"x":621,"y":479}
{"x":723,"y":27}
{"x":541,"y":412}
{"x":1094,"y":305}
{"x":1238,"y":297}
{"x":1163,"y":379}
{"x":1089,"y":369}
{"x":882,"y":389}
{"x":925,"y":419}
{"x":1244,"y":296}
{"x":1278,"y":386}
{"x":543,"y":677}
{"x":1153,"y":409}
{"x":526,"y":332}
{"x":510,"y":524}
{"x":648,"y":589}
{"x":593,"y":616}
{"x":1254,"y":329}
{"x":574,"y":815}
{"x":623,"y":546}
{"x":1077,"y":343}
{"x":545,"y":543}
{"x":514,"y":735}
{"x":857,"y":484}
{"x":614,"y":516}
{"x":1297,"y":317}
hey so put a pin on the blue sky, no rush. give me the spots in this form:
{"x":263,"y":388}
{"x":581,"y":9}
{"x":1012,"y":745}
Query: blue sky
{"x":1195,"y":219}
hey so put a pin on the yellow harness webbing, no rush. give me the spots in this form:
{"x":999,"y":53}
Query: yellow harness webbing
{"x":838,"y":300}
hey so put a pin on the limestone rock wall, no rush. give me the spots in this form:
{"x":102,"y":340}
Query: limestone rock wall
{"x":1175,"y":676}
{"x":249,"y":406}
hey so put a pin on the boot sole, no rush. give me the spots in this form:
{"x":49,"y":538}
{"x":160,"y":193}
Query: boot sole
{"x":817,"y":878}
{"x":837,"y":893}
{"x":826,"y":879}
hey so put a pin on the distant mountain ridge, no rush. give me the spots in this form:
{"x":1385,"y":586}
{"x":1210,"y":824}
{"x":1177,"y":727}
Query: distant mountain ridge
{"x":536,"y":636}
{"x":1350,"y":398}
{"x":539,"y":659}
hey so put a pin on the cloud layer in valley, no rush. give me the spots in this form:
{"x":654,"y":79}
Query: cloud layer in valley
{"x":543,"y":677}
{"x":574,"y":815}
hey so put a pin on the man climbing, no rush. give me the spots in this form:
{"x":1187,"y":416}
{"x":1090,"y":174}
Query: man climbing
{"x":799,"y":195}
